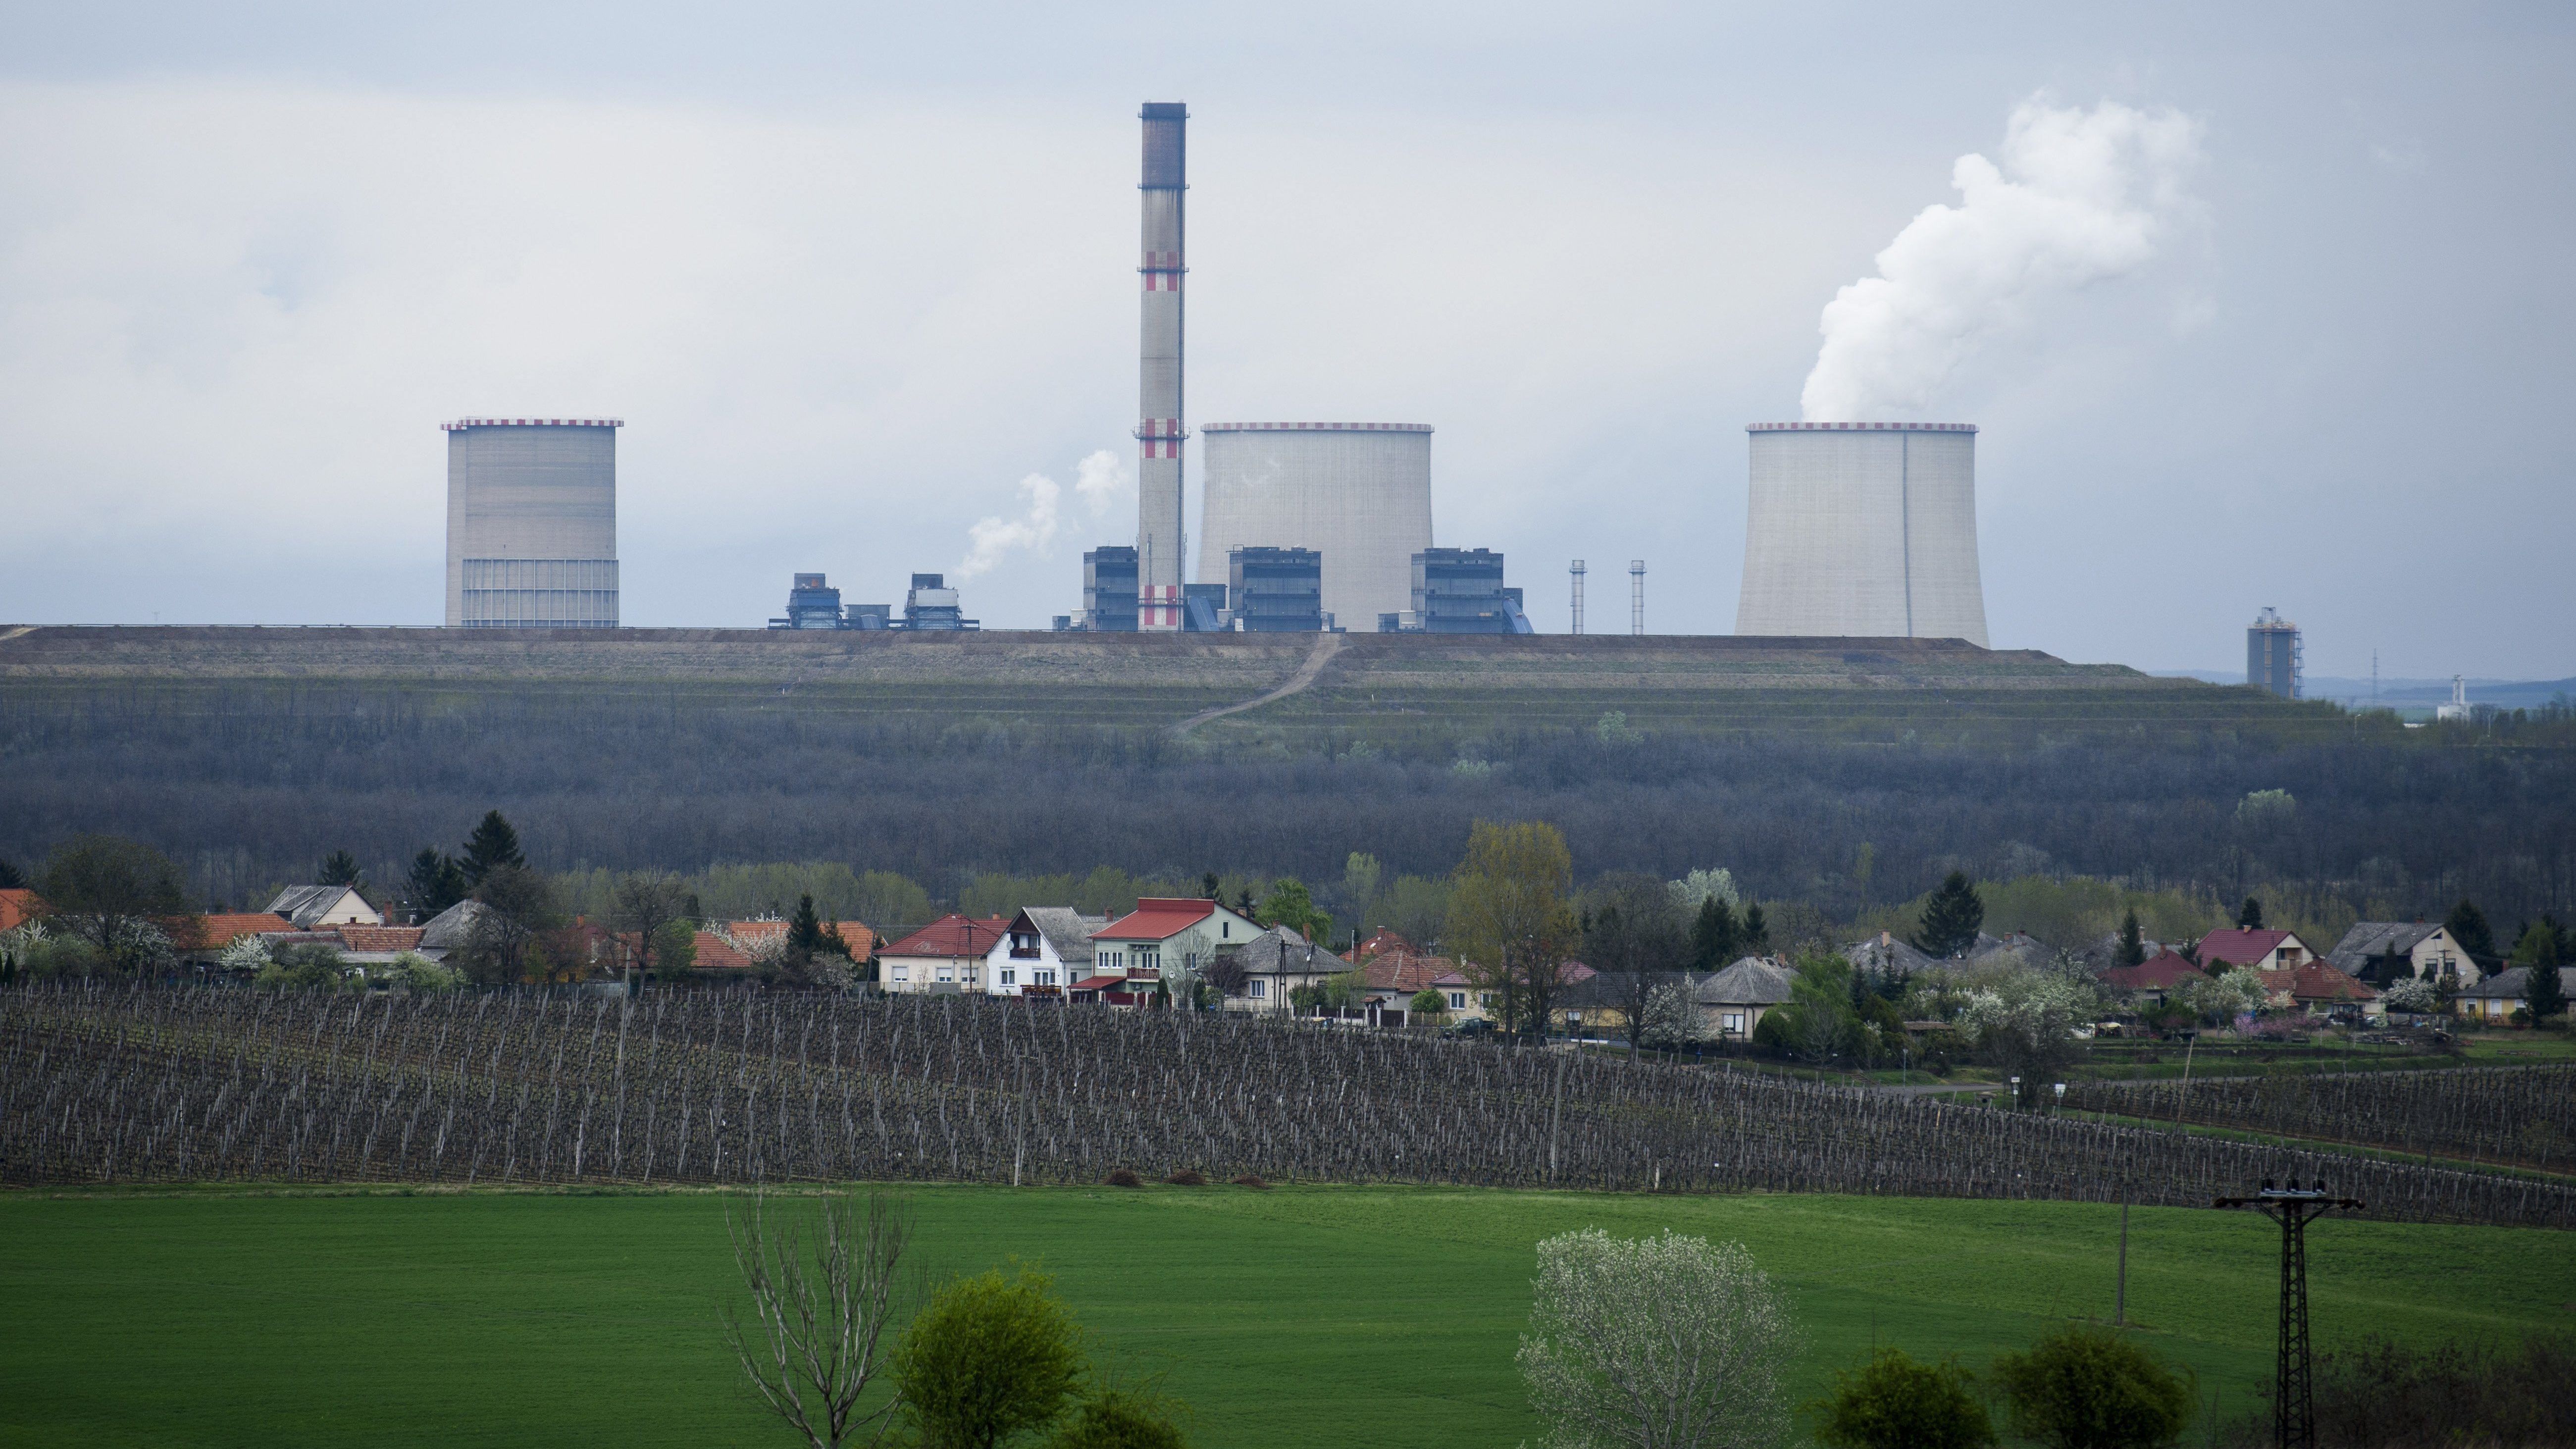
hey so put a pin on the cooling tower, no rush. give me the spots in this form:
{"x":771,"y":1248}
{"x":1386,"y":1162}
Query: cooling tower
{"x":532,"y":523}
{"x":1360,"y":493}
{"x":1863,"y":529}
{"x":1160,"y":548}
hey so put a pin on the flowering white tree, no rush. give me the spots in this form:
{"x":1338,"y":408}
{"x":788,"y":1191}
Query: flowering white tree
{"x":246,"y":953}
{"x":2413,"y":995}
{"x":2225,"y":996}
{"x":1668,"y":1342}
{"x":2028,"y":1018}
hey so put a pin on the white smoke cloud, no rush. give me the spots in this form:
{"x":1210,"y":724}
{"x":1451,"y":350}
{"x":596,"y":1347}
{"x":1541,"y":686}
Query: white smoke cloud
{"x":992,"y":538}
{"x":2079,"y":197}
{"x":1100,"y":480}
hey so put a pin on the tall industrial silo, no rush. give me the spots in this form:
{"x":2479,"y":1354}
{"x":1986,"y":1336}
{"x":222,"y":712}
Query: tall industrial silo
{"x":532,"y":523}
{"x":1863,"y":529}
{"x":1359,"y":493}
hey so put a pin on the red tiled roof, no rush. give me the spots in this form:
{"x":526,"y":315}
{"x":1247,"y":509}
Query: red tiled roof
{"x":715,"y":953}
{"x":380,"y":938}
{"x":16,"y":906}
{"x":2316,"y":981}
{"x":2239,"y":948}
{"x":951,"y":937}
{"x":1403,"y":971}
{"x":1099,"y":983}
{"x":1380,"y":942}
{"x":213,"y":933}
{"x":1157,"y":918}
{"x":2161,"y":972}
{"x":751,"y":933}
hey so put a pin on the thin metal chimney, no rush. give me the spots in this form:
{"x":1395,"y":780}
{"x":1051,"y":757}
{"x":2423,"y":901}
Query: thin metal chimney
{"x":1577,"y":572}
{"x":1160,"y":548}
{"x":1636,"y":596}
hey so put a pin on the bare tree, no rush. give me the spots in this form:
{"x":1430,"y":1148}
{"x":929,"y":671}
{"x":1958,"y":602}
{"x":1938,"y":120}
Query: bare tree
{"x":1668,"y":1342}
{"x":822,"y":1317}
{"x":641,"y":907}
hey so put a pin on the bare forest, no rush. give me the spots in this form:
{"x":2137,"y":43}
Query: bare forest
{"x":247,"y":786}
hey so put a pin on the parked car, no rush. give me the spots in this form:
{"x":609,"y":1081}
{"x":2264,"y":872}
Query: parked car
{"x":1474,"y":1026}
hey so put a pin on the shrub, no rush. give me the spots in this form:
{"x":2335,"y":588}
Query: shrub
{"x":1894,"y":1402}
{"x":987,"y":1359}
{"x":2084,"y":1387}
{"x":1122,"y":1419}
{"x":1123,"y":1177}
{"x":1252,"y":1180}
{"x":1187,"y":1177}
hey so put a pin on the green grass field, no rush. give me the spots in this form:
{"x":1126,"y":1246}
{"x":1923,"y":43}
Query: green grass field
{"x":1295,"y":1317}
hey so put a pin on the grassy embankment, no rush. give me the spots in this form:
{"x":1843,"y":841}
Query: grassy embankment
{"x":1297,"y":1317}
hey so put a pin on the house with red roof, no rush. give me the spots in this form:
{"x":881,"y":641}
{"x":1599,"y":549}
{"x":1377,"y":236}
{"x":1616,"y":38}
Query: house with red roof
{"x":2262,"y":950}
{"x":1166,"y":939}
{"x":943,"y":958}
{"x":19,"y":906}
{"x":2318,"y":989}
{"x":716,"y":951}
{"x":2152,"y":982}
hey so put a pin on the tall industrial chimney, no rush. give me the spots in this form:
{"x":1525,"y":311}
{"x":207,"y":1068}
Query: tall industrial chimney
{"x":1636,"y":596}
{"x":1576,"y":569}
{"x":1159,"y":545}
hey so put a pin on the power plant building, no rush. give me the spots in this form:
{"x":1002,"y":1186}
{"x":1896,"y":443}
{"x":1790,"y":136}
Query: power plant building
{"x":1276,"y":590}
{"x":1357,"y":493}
{"x":1109,"y":590}
{"x":532,"y":523}
{"x":1458,"y":591}
{"x":2273,"y":657}
{"x":1863,"y":530}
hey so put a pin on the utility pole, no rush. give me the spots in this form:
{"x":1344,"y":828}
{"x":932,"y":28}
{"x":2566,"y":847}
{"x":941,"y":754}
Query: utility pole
{"x":2120,"y":1296}
{"x":2294,"y":1399}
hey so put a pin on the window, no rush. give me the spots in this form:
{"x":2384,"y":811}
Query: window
{"x":1256,"y":988}
{"x":1010,"y":977}
{"x":1484,"y":1001}
{"x":902,"y":973}
{"x":1732,"y":1022}
{"x":1042,"y":977}
{"x":1457,"y":1001}
{"x":1225,"y":930}
{"x":948,"y":973}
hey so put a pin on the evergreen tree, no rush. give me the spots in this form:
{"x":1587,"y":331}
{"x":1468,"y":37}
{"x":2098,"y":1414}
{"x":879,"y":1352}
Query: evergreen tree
{"x":340,"y":868}
{"x":2249,"y":916}
{"x":11,"y":878}
{"x":1209,"y":888}
{"x":436,"y":882}
{"x":2133,"y":947}
{"x":804,"y":929}
{"x":1756,"y":935}
{"x":2468,"y":926}
{"x":1714,"y":936}
{"x":1951,"y":918}
{"x":492,"y":845}
{"x":2544,"y":992}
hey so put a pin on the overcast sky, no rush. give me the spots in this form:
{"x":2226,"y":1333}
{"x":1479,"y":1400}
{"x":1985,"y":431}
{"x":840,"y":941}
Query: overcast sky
{"x":852,"y":274}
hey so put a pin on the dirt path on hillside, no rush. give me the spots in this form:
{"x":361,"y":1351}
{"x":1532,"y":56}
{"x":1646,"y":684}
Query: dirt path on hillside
{"x":1326,"y":646}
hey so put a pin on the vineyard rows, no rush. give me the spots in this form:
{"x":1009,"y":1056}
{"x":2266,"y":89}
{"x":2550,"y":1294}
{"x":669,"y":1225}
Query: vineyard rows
{"x":2519,"y":1116}
{"x":138,"y":1084}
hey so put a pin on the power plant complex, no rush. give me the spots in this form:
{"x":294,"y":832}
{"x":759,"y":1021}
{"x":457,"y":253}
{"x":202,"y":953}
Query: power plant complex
{"x":1863,"y":529}
{"x":1852,"y":529}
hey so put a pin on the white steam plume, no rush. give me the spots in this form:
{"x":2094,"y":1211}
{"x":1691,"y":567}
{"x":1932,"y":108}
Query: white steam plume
{"x":990,"y":538}
{"x":2080,"y":197}
{"x":1099,"y":480}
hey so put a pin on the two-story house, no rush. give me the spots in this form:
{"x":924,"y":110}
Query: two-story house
{"x":2428,"y":951}
{"x":2261,"y":950}
{"x":944,"y":958}
{"x":1167,"y":940}
{"x":1043,"y":951}
{"x":320,"y":907}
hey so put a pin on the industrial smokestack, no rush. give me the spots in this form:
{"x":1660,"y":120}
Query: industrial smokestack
{"x":1576,"y":569}
{"x":1864,"y":530}
{"x":1159,"y":545}
{"x":1636,"y":596}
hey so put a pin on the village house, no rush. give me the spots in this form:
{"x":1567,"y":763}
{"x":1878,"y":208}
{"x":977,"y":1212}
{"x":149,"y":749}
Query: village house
{"x":18,"y":906}
{"x":1732,"y":1002}
{"x":1165,"y":939}
{"x":2319,"y":990}
{"x":1275,"y":963}
{"x":201,"y":940}
{"x":2428,"y":951}
{"x":319,"y":907}
{"x":943,"y":958}
{"x":1043,"y":951}
{"x":2153,"y":982}
{"x":2498,"y":997}
{"x":2262,"y":950}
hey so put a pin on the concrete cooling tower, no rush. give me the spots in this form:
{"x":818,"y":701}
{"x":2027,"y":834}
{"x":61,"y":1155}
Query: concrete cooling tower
{"x":1863,"y":529}
{"x":532,"y":523}
{"x":1358,"y":492}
